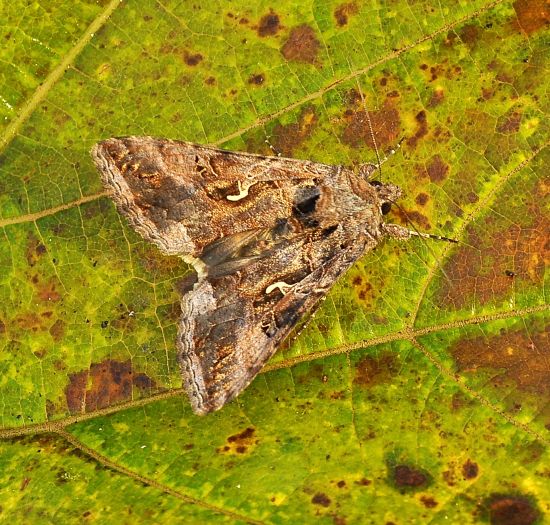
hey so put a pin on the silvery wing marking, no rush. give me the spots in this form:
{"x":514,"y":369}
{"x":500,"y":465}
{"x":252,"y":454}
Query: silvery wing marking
{"x":268,"y":236}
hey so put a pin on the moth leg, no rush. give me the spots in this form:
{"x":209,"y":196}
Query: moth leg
{"x":366,"y":170}
{"x":283,"y":287}
{"x":395,"y":231}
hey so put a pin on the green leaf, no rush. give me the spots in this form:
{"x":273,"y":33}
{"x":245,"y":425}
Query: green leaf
{"x":418,"y":393}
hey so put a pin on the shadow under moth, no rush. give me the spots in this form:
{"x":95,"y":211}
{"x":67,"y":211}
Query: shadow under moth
{"x":268,"y":237}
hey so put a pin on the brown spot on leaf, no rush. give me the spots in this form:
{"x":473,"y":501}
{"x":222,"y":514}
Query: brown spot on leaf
{"x":524,"y":248}
{"x":469,"y":34}
{"x":470,"y":469}
{"x":436,"y":99}
{"x":343,"y":12}
{"x":240,"y":443}
{"x":57,"y":330}
{"x":422,"y":199}
{"x":256,"y":79}
{"x":437,"y":170}
{"x":375,"y":370}
{"x":385,"y":123}
{"x":514,"y":354}
{"x":363,"y":482}
{"x":302,"y":45}
{"x":406,"y":476}
{"x":511,"y":510}
{"x":48,"y":293}
{"x":510,"y":122}
{"x":35,"y":250}
{"x":414,"y":216}
{"x":288,"y":137}
{"x":192,"y":59}
{"x":102,"y":385}
{"x":321,"y":499}
{"x":269,"y":24}
{"x":422,"y":130}
{"x":532,"y":15}
{"x":428,"y":502}
{"x":30,"y":321}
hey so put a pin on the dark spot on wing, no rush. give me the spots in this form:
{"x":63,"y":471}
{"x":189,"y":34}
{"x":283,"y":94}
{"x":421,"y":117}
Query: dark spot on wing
{"x":307,"y":206}
{"x":328,"y":231}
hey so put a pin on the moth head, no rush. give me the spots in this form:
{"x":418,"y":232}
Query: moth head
{"x":387,"y":195}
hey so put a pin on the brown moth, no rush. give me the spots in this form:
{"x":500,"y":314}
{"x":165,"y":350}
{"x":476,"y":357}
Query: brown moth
{"x":268,"y":237}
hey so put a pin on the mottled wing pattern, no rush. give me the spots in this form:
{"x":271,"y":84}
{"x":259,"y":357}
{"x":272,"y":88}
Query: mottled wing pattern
{"x":232,"y":323}
{"x":183,"y":196}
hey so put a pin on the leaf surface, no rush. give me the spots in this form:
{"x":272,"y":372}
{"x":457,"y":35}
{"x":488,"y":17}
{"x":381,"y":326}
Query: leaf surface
{"x":418,"y":393}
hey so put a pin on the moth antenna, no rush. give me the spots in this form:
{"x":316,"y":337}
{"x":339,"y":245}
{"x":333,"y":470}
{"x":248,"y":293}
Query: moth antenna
{"x":371,"y":131}
{"x":271,"y":147}
{"x":423,"y":236}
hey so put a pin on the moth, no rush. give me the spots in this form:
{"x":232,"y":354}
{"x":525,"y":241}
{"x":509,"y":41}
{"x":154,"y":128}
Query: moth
{"x":268,"y":237}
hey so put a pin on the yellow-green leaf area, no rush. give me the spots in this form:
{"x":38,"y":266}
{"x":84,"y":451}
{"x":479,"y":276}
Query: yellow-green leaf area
{"x":417,"y":393}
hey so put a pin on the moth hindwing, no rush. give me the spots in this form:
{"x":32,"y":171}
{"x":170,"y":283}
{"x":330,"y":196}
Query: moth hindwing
{"x":268,"y":237}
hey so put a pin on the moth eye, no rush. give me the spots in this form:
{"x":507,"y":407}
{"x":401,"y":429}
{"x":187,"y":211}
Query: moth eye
{"x":385,"y":208}
{"x":375,"y":183}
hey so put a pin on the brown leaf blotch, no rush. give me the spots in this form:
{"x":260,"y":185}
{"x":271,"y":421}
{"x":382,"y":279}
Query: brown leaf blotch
{"x":257,"y":79}
{"x":437,"y":97}
{"x":386,"y":126}
{"x":516,"y":355}
{"x":241,"y":442}
{"x":102,"y":385}
{"x":470,"y":469}
{"x":406,"y":476}
{"x":510,"y":122}
{"x":321,"y":499}
{"x":428,"y":502}
{"x":422,"y":199}
{"x":57,"y":330}
{"x":269,"y":24}
{"x":469,"y":34}
{"x":288,"y":137}
{"x":302,"y":45}
{"x":524,"y":248}
{"x":532,"y":15}
{"x":511,"y":510}
{"x":372,"y":371}
{"x":343,"y":12}
{"x":422,"y":129}
{"x":192,"y":59}
{"x":437,"y":170}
